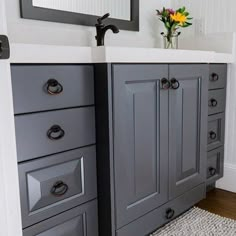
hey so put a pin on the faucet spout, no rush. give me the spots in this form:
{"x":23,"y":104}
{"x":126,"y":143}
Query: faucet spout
{"x":114,"y":29}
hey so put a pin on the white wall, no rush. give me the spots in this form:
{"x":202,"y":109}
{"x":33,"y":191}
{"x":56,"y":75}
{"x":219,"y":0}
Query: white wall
{"x":32,"y":31}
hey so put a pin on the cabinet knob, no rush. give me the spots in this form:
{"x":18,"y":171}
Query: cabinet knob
{"x":174,"y":83}
{"x":212,"y":102}
{"x":55,"y":132}
{"x":165,"y":84}
{"x":212,"y":135}
{"x":212,"y":171}
{"x":170,"y":213}
{"x":59,"y":189}
{"x":214,"y":77}
{"x":54,"y":87}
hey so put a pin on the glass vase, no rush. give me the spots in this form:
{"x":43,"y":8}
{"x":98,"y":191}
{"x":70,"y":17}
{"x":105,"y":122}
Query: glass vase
{"x":170,"y":41}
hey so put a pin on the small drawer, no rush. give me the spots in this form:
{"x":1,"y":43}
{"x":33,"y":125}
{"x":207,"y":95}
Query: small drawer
{"x":52,"y":132}
{"x":218,"y":76}
{"x":216,"y":128}
{"x":51,"y":185}
{"x":80,"y":221}
{"x":47,"y":87}
{"x":215,"y":165}
{"x":216,"y":101}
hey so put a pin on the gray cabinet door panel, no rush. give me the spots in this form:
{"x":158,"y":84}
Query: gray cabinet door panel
{"x":31,"y":132}
{"x":80,"y":221}
{"x":218,"y":76}
{"x":140,"y":140}
{"x":216,"y":101}
{"x":187,"y":128}
{"x":54,"y":184}
{"x":156,"y":218}
{"x":29,"y":83}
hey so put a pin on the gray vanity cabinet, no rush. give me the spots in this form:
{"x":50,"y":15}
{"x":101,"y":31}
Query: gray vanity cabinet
{"x":187,"y":127}
{"x":151,"y":129}
{"x":140,"y":109}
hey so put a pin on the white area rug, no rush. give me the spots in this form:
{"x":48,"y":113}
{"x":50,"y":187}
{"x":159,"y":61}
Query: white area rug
{"x":197,"y":222}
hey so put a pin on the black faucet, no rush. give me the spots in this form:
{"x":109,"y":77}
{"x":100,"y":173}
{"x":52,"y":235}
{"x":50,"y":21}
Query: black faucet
{"x":102,"y":29}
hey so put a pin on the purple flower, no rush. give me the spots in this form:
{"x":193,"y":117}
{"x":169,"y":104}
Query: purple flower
{"x":171,"y":11}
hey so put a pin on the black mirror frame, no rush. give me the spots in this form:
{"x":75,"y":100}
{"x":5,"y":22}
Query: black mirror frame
{"x":28,"y":11}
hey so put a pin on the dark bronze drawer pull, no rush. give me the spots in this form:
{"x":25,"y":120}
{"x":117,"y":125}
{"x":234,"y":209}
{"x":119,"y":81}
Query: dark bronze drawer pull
{"x":212,"y":103}
{"x":165,"y":84}
{"x":212,"y":135}
{"x":174,"y":83}
{"x":212,"y":171}
{"x":214,"y":77}
{"x":54,"y":87}
{"x":170,"y":213}
{"x":59,"y":189}
{"x":55,"y":129}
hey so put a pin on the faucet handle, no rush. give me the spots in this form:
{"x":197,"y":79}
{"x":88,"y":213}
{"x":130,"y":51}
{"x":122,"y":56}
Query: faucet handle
{"x":100,"y":19}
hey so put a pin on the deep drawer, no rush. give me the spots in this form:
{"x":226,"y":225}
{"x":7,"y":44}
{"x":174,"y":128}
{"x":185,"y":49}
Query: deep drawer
{"x":80,"y":221}
{"x":218,"y":76}
{"x":216,"y":127}
{"x":56,"y":131}
{"x":215,"y":165}
{"x":216,"y":101}
{"x":57,"y":183}
{"x":47,"y":87}
{"x":162,"y":215}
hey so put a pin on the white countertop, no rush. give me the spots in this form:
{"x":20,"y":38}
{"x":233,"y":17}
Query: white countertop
{"x":35,"y":53}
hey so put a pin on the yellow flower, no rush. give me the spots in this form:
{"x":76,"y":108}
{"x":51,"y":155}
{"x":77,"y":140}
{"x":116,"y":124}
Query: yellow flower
{"x":178,"y":17}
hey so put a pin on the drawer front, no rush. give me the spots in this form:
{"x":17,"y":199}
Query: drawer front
{"x":56,"y":131}
{"x":57,"y":183}
{"x":80,"y":221}
{"x":216,"y":125}
{"x":162,"y":215}
{"x":215,"y":162}
{"x":216,"y":101}
{"x":218,"y":76}
{"x":47,"y":87}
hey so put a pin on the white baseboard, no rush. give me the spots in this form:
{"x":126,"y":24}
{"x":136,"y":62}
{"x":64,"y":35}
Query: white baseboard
{"x":228,"y":182}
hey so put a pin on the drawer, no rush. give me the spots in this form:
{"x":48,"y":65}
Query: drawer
{"x":160,"y":216}
{"x":218,"y":76}
{"x":216,"y":101}
{"x":46,"y":133}
{"x":51,"y":185}
{"x":80,"y":221}
{"x":215,"y":165}
{"x":216,"y":128}
{"x":47,"y":87}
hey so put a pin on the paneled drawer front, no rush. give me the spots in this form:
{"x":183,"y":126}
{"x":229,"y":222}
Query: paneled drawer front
{"x":46,"y":87}
{"x":215,"y":166}
{"x":80,"y":221}
{"x":162,"y":215}
{"x":216,"y":131}
{"x":51,"y":132}
{"x":216,"y":101}
{"x":54,"y":184}
{"x":218,"y":76}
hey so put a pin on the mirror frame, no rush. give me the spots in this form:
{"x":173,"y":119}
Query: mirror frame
{"x":28,"y":11}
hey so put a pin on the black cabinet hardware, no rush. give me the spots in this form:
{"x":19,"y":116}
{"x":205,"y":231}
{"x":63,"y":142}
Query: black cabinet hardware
{"x":174,"y":83}
{"x":55,"y":132}
{"x":212,"y":102}
{"x":59,"y":189}
{"x":212,"y":135}
{"x":165,"y":83}
{"x":170,"y":213}
{"x":214,"y":77}
{"x":212,"y":171}
{"x":54,"y":87}
{"x":4,"y":47}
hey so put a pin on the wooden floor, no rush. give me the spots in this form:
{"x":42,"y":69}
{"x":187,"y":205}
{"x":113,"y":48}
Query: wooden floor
{"x":220,"y":202}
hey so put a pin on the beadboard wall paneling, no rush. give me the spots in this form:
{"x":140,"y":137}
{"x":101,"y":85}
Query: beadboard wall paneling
{"x":119,"y":9}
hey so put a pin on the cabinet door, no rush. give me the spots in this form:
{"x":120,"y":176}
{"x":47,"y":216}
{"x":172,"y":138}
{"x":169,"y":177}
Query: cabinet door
{"x":140,"y":109}
{"x":187,"y":128}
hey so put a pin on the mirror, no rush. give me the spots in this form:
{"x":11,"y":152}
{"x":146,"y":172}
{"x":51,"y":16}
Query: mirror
{"x":124,"y":13}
